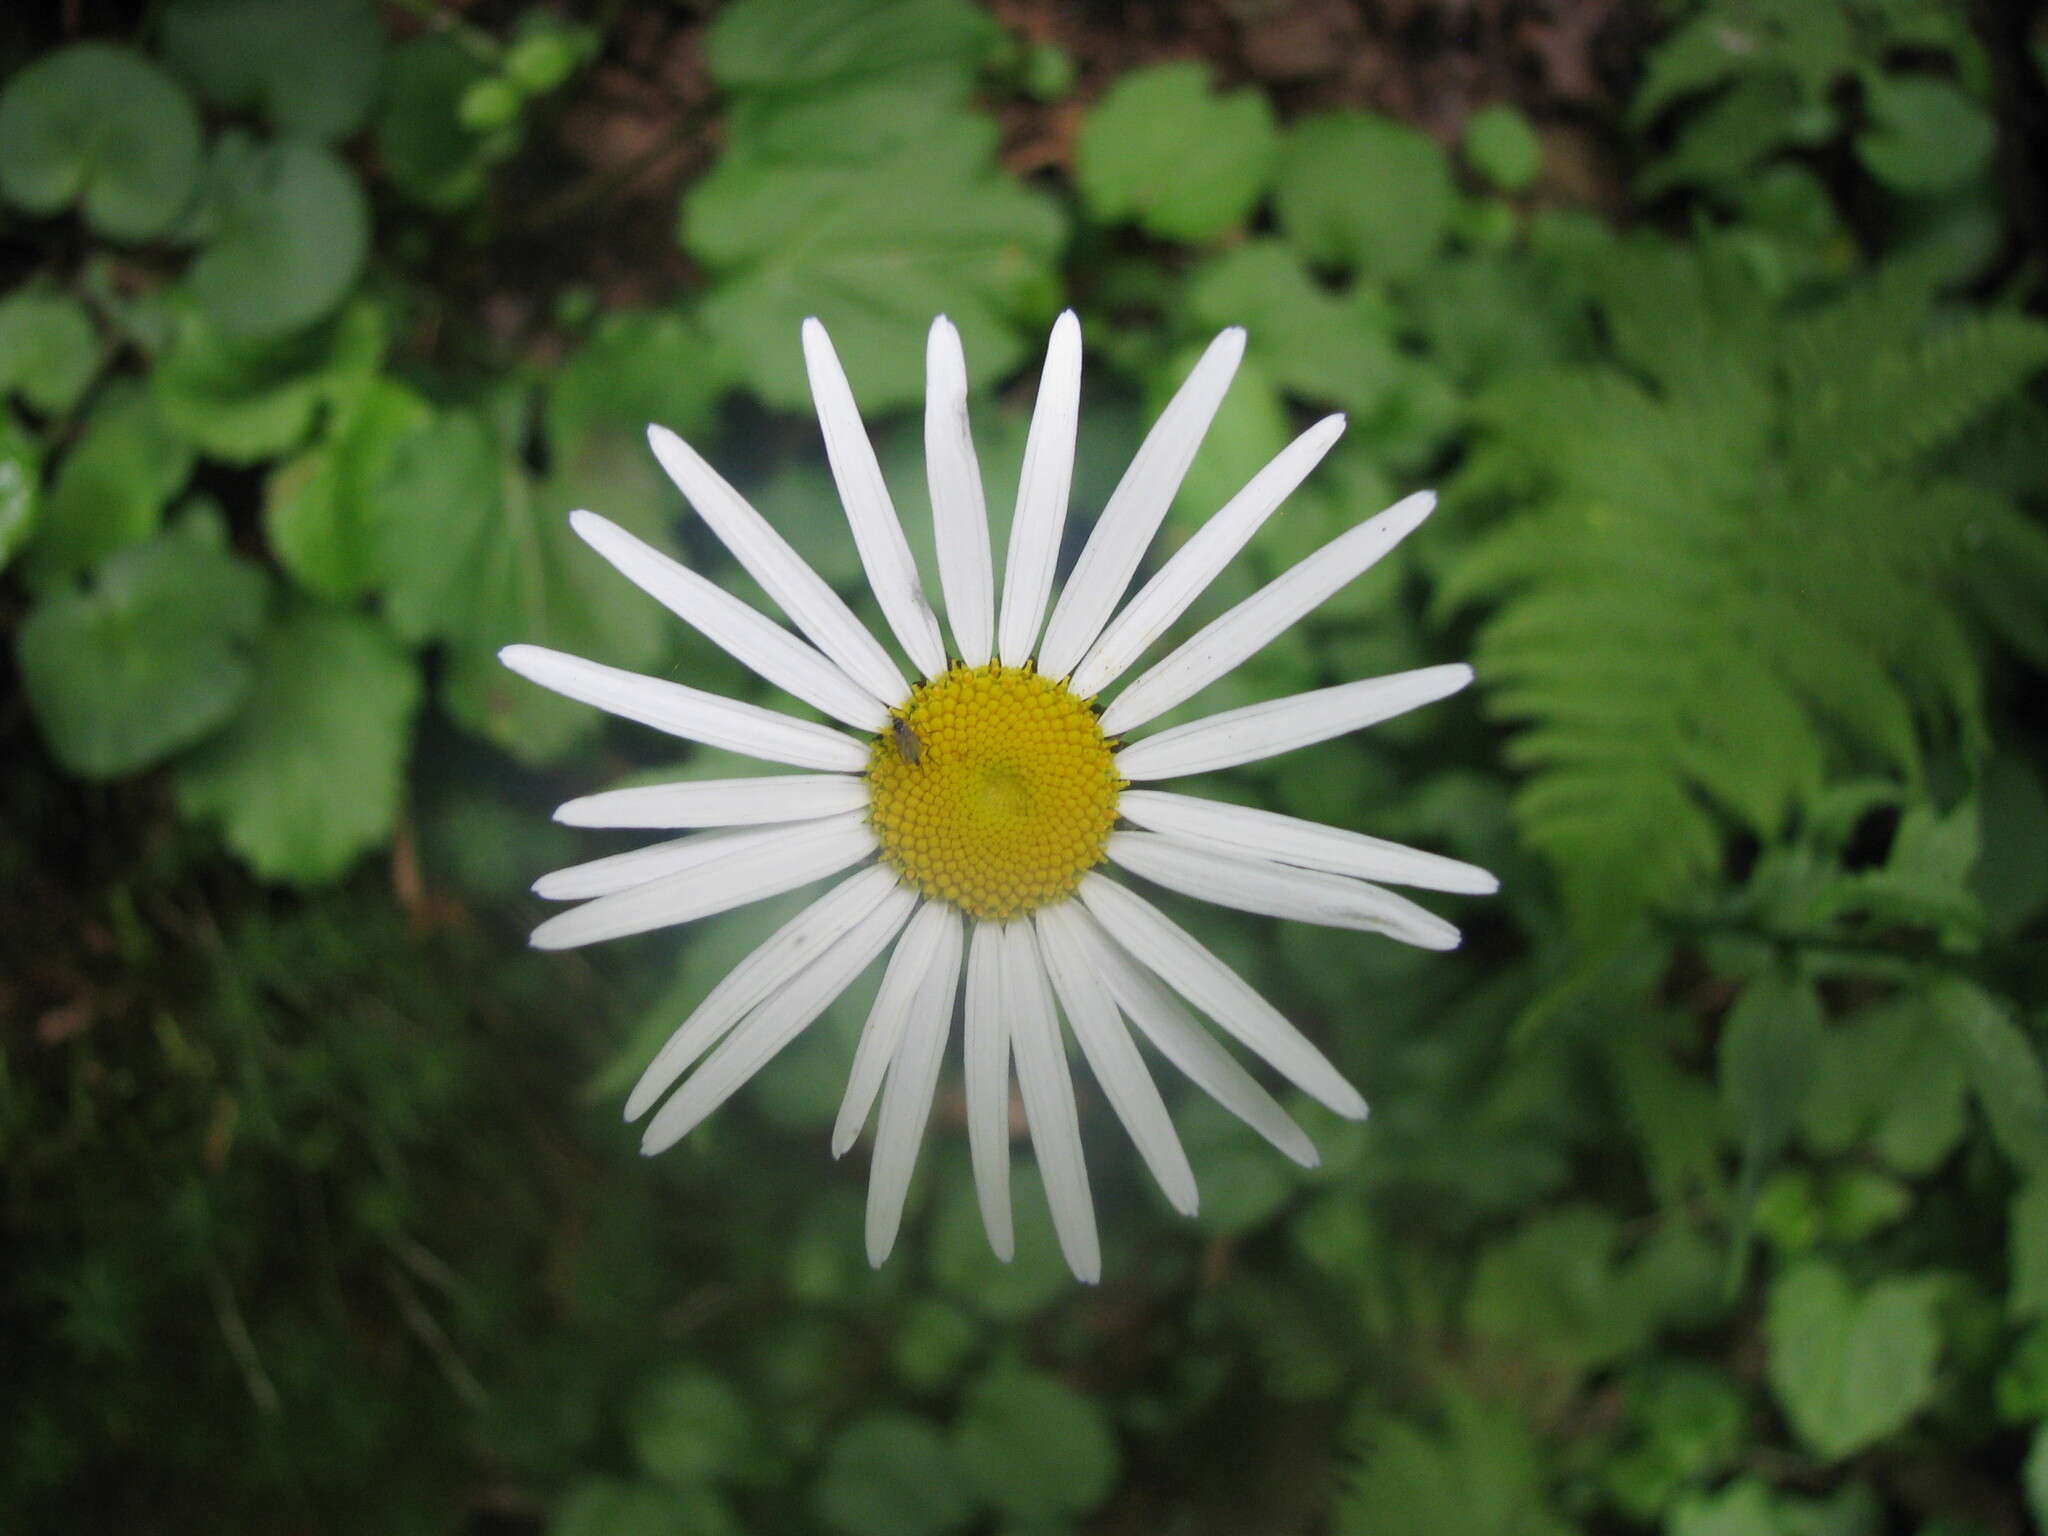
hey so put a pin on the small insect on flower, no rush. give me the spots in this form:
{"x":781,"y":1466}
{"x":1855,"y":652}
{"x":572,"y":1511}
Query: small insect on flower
{"x":982,"y":816}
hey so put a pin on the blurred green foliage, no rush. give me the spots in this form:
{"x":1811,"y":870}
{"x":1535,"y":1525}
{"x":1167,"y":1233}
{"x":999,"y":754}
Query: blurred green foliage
{"x":1706,"y":1191}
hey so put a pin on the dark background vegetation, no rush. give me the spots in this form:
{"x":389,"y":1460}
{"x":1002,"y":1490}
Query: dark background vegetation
{"x":1706,"y":1191}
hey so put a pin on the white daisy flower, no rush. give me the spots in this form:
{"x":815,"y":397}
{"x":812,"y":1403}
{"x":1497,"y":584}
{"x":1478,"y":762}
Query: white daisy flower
{"x":981,"y":801}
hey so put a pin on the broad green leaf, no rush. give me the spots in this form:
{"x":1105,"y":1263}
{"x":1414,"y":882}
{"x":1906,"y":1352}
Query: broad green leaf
{"x":308,"y":68}
{"x":2003,"y":1066}
{"x":430,"y":156}
{"x":1769,"y":1056}
{"x":1479,"y":1475}
{"x":1034,"y":1447}
{"x":1313,"y":343}
{"x":1743,"y":1508}
{"x":1501,"y":146}
{"x":243,"y":399}
{"x":320,"y":510}
{"x":307,"y":777}
{"x":874,"y":249}
{"x":111,"y":489}
{"x":808,"y":45}
{"x":1363,"y":192}
{"x":1925,"y":136}
{"x":149,"y":657}
{"x":104,"y":127}
{"x":1161,"y":151}
{"x":290,"y":230}
{"x":1850,"y":1368}
{"x":689,"y":1426}
{"x":888,"y":1474}
{"x":48,"y":353}
{"x":21,"y":462}
{"x":636,"y":367}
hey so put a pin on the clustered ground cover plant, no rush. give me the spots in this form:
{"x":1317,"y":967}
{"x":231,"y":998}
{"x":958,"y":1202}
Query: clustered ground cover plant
{"x":1706,"y":1188}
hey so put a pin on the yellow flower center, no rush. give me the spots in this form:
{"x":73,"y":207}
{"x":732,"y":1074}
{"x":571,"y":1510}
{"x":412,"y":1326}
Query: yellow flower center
{"x":993,"y":788}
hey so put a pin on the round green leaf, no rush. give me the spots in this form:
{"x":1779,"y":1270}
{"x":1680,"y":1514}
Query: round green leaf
{"x":243,"y":399}
{"x":1503,"y":148}
{"x":307,"y":777}
{"x":308,"y":68}
{"x":48,"y":353}
{"x":1850,"y":1369}
{"x":1363,"y":192}
{"x":1161,"y":151}
{"x":112,"y":487}
{"x":292,"y":229}
{"x":891,"y":1475}
{"x":690,"y":1426}
{"x":102,"y":126}
{"x":1035,"y":1448}
{"x":149,"y":658}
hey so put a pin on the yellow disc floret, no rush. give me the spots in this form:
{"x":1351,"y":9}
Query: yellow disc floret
{"x":993,"y":789}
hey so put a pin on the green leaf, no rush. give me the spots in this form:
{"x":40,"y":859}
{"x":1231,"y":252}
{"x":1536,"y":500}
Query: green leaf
{"x":1363,"y":192}
{"x":874,"y":250}
{"x":1164,"y":153}
{"x":603,"y":1506}
{"x":101,"y":126}
{"x":149,"y":658}
{"x":1034,"y":1447}
{"x":291,"y":229}
{"x":2003,"y":1067}
{"x":889,"y":1474}
{"x":1480,"y":1475}
{"x":307,"y":778}
{"x":21,"y":463}
{"x":2027,"y":1245}
{"x":430,"y":156}
{"x":1850,"y":1369}
{"x":1769,"y":1057}
{"x":320,"y":510}
{"x":309,"y":69}
{"x":689,"y":1426}
{"x":2034,"y":1476}
{"x":1502,"y":147}
{"x":48,"y":352}
{"x":1926,"y":136}
{"x":111,"y":489}
{"x":636,"y":367}
{"x":1313,"y":343}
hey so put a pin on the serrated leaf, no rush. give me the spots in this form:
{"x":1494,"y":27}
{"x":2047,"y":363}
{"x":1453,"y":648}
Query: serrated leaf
{"x":1850,"y":1368}
{"x":48,"y":352}
{"x":309,"y":69}
{"x":1363,"y":192}
{"x":889,"y":1474}
{"x":103,"y":127}
{"x":1163,"y":152}
{"x":1033,"y":1447}
{"x":111,"y":489}
{"x":1479,"y":1475}
{"x":149,"y":657}
{"x":290,"y":231}
{"x":307,"y":777}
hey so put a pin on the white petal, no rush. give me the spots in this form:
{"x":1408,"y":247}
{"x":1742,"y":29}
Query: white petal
{"x":623,"y":871}
{"x":808,"y":851}
{"x":884,"y":552}
{"x":1048,"y":1092}
{"x":1221,"y":645}
{"x":886,"y":1021}
{"x":1042,"y":492}
{"x":1136,"y":508}
{"x":778,"y":1020}
{"x":1173,"y":1031}
{"x":1091,"y":1009}
{"x":771,"y":964}
{"x":752,"y":638}
{"x":1181,"y":961}
{"x":959,"y":513}
{"x":689,"y":712}
{"x":907,"y":1098}
{"x":1278,"y":890}
{"x":800,"y":592}
{"x":1280,"y":725}
{"x":987,"y":1049}
{"x":719,"y":802}
{"x":1196,"y":563}
{"x":1309,"y":844}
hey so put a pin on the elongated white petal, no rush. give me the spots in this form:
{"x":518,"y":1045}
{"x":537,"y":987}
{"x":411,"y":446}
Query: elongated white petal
{"x":719,"y":802}
{"x":637,"y":866}
{"x":1183,"y":963}
{"x":750,"y":637}
{"x":987,"y":1049}
{"x":1221,"y":645}
{"x":1309,"y":844}
{"x":1165,"y":1021}
{"x":1090,"y":1007}
{"x":1196,"y":563}
{"x":886,"y":1021}
{"x":959,"y":511}
{"x":1280,"y":725}
{"x":1042,"y":493}
{"x":1278,"y":890}
{"x":770,"y":964}
{"x":800,"y":592}
{"x":798,"y":855}
{"x":1136,"y":508}
{"x":1048,"y":1092}
{"x":877,"y":531}
{"x":689,"y":712}
{"x":907,"y":1098}
{"x":776,"y":1022}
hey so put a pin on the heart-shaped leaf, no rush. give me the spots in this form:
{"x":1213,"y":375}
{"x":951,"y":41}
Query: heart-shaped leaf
{"x":290,"y":231}
{"x":1161,"y":151}
{"x":311,"y":69}
{"x":48,"y":353}
{"x":1848,"y":1368}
